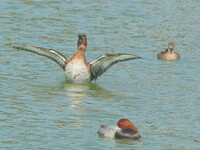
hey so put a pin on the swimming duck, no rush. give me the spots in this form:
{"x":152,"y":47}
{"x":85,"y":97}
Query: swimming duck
{"x":77,"y":70}
{"x":169,"y":53}
{"x":124,"y":129}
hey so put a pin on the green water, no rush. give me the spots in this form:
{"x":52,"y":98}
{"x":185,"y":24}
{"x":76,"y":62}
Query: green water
{"x":39,"y":110}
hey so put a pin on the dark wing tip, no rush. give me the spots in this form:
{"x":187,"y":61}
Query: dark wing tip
{"x":138,"y":57}
{"x":118,"y":54}
{"x":17,"y":47}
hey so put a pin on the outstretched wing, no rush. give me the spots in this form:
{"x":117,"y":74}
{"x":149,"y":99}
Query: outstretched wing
{"x":50,"y":53}
{"x":102,"y":63}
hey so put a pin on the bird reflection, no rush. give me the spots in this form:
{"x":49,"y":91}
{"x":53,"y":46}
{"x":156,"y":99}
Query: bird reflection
{"x":81,"y":91}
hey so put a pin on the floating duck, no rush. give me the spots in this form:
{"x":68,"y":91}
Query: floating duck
{"x":169,"y":53}
{"x":124,"y":129}
{"x":77,"y":70}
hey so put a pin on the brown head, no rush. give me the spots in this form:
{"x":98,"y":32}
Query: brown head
{"x":127,"y":124}
{"x":82,"y":41}
{"x":171,"y":46}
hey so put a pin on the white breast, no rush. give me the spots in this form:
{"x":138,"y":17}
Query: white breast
{"x":77,"y":73}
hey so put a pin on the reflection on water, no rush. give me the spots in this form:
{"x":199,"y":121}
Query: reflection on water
{"x":75,"y":87}
{"x":169,"y":61}
{"x":81,"y":90}
{"x":122,"y":143}
{"x":76,"y":91}
{"x":126,"y":143}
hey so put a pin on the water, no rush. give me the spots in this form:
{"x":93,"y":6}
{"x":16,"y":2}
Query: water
{"x":39,"y":110}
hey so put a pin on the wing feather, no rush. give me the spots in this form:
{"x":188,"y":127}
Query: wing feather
{"x":102,"y":63}
{"x":50,"y":53}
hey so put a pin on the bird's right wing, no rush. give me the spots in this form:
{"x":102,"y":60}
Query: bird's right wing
{"x":50,"y":53}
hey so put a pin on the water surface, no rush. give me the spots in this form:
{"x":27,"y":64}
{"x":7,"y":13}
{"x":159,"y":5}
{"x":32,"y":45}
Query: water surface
{"x":39,"y":110}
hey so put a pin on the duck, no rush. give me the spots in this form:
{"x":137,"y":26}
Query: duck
{"x":77,"y":70}
{"x":169,"y":53}
{"x":124,"y":129}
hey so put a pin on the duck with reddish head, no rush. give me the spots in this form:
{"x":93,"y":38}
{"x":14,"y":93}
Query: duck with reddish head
{"x":124,"y":129}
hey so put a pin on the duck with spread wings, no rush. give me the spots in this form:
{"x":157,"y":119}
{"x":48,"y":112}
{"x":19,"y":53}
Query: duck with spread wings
{"x":77,"y":70}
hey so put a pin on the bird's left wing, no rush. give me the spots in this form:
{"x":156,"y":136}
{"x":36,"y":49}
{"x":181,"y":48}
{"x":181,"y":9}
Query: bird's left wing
{"x":102,"y":63}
